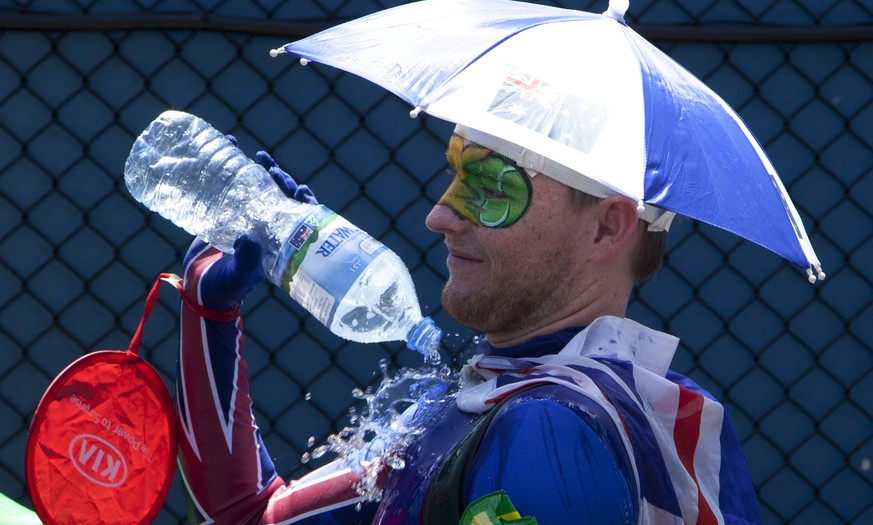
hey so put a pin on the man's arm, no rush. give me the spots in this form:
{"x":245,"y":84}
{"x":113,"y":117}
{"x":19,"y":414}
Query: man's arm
{"x":227,"y":472}
{"x":225,"y":467}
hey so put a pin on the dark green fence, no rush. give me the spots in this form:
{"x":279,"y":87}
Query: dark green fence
{"x":80,"y":79}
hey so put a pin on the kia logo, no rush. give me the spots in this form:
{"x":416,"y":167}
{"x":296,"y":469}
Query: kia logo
{"x":99,"y":461}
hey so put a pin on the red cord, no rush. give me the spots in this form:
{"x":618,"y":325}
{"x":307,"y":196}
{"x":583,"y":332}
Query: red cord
{"x":199,"y":309}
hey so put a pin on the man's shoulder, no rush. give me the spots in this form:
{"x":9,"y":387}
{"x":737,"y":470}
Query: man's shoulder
{"x":561,"y":406}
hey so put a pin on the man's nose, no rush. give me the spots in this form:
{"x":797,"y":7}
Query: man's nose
{"x":442,"y":219}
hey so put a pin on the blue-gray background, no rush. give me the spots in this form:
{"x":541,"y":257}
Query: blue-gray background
{"x":80,"y":79}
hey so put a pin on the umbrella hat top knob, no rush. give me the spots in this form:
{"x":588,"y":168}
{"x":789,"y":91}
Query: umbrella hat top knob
{"x":617,"y":9}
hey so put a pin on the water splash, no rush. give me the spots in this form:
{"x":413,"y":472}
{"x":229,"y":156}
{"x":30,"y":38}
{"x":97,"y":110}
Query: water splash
{"x":396,"y":412}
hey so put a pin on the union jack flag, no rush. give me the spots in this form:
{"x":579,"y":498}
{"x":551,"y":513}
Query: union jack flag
{"x":687,"y":461}
{"x":527,"y":87}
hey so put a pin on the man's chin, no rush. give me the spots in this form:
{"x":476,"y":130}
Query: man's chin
{"x":471,"y":310}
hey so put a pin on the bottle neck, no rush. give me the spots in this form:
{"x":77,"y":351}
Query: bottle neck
{"x":425,"y":338}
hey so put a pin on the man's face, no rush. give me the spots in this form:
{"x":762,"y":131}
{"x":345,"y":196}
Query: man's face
{"x":510,"y":263}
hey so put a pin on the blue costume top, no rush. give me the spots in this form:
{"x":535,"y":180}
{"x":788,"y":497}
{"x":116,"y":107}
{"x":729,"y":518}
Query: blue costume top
{"x":576,"y":427}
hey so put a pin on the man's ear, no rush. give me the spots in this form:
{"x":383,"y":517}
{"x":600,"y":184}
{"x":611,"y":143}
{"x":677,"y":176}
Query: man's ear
{"x":617,"y":220}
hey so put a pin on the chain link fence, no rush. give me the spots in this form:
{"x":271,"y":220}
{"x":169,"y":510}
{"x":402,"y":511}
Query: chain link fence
{"x":80,"y":79}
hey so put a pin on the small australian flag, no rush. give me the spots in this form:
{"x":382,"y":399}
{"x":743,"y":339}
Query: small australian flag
{"x":535,"y":104}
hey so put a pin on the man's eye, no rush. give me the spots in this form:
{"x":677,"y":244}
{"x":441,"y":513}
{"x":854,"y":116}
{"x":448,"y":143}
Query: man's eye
{"x":493,"y":193}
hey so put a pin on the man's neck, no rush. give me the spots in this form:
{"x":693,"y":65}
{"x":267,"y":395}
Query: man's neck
{"x":582,"y":317}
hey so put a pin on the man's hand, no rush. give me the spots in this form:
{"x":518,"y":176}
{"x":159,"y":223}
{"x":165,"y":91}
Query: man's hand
{"x":228,"y":280}
{"x":298,"y":192}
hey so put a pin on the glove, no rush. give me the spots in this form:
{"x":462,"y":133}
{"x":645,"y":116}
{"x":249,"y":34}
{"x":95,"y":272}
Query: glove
{"x":289,"y":186}
{"x":230,"y":277}
{"x":227,"y":281}
{"x":298,"y":192}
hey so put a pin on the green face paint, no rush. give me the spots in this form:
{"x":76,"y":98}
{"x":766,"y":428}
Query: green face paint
{"x":488,"y":189}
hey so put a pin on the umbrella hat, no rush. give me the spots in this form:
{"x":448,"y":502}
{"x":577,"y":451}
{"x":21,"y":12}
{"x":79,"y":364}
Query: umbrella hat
{"x":579,"y":97}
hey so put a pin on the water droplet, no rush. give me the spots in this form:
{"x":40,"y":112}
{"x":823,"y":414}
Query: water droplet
{"x":865,"y":465}
{"x":305,"y":458}
{"x":433,"y":359}
{"x":308,"y":396}
{"x":395,"y":462}
{"x":311,"y":441}
{"x":393,"y":414}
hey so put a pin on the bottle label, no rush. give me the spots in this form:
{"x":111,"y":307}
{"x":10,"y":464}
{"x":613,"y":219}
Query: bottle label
{"x":322,"y":259}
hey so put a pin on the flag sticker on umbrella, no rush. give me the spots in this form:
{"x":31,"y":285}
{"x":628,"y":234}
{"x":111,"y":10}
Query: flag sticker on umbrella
{"x":537,"y":105}
{"x":526,"y":88}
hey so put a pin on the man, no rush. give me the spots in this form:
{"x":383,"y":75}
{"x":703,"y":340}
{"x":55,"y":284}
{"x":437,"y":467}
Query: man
{"x":570,"y":409}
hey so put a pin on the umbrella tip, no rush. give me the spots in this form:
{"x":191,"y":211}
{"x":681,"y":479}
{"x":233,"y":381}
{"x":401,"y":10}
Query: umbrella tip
{"x":815,"y":273}
{"x":278,"y":51}
{"x":617,"y":9}
{"x":415,"y":112}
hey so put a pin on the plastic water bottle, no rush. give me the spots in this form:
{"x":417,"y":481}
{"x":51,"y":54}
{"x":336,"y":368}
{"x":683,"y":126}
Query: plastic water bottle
{"x":190,"y":173}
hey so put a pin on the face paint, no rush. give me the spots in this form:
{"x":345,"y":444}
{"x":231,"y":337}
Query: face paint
{"x":488,"y":189}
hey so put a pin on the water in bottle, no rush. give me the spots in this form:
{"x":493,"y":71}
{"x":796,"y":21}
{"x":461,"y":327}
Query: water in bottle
{"x":190,"y":173}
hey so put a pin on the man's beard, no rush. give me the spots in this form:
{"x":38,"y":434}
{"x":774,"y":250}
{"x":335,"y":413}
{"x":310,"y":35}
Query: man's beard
{"x":523,"y":302}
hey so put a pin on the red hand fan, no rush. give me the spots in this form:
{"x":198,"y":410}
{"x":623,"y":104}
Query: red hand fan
{"x":102,"y":441}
